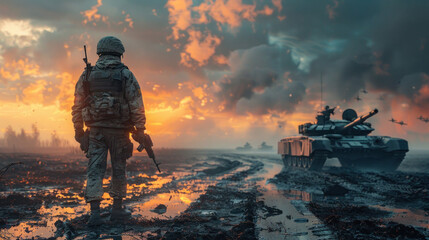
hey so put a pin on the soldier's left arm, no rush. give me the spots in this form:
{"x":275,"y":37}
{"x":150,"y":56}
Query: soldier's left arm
{"x":79,"y":99}
{"x":135,"y":100}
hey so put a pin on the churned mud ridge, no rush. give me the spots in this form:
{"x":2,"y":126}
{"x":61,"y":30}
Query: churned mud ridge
{"x":40,"y":170}
{"x":17,"y":208}
{"x":397,"y":189}
{"x":360,"y":222}
{"x":225,"y":165}
{"x":254,"y":167}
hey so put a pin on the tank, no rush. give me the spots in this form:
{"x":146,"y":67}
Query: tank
{"x":348,"y":139}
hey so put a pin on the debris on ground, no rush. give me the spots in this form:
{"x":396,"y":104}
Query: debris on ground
{"x":160,"y":209}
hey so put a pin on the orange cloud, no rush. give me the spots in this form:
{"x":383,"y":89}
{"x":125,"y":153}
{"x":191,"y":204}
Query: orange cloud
{"x":199,"y":48}
{"x":34,"y":93}
{"x":66,"y":95}
{"x":231,"y":12}
{"x":331,"y":9}
{"x":423,"y":93}
{"x":184,"y":18}
{"x":127,"y":20}
{"x":179,"y":15}
{"x":220,"y":59}
{"x":8,"y":75}
{"x":92,"y":15}
{"x":15,"y":69}
{"x":279,"y":6}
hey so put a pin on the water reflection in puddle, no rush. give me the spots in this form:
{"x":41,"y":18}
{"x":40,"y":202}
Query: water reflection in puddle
{"x":406,"y":216}
{"x":291,"y":203}
{"x":45,"y":227}
{"x":176,"y":191}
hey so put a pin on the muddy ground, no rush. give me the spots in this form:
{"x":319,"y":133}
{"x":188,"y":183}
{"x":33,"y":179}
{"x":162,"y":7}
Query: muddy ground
{"x":203,"y":194}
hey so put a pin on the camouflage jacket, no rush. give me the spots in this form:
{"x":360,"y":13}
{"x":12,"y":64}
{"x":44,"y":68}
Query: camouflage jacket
{"x":132,"y":95}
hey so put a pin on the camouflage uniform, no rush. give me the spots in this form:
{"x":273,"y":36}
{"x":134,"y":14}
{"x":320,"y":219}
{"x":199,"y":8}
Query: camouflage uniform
{"x":110,"y":133}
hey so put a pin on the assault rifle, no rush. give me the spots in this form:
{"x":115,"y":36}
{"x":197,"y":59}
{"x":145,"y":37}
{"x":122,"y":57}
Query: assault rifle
{"x":84,"y":144}
{"x":146,"y":143}
{"x":88,"y":69}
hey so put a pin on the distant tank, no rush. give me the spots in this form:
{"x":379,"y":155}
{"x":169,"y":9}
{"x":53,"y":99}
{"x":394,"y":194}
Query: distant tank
{"x":246,"y":147}
{"x":346,"y":140}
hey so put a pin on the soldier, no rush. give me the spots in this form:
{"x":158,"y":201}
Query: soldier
{"x":327,"y":112}
{"x":110,"y":104}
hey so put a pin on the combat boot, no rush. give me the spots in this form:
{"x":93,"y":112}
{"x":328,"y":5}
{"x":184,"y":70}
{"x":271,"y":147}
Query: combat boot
{"x":118,"y":212}
{"x":95,"y":218}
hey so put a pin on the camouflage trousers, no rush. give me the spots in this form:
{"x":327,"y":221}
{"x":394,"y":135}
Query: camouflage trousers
{"x":117,"y":142}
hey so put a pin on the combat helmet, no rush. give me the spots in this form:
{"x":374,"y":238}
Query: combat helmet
{"x":110,"y":45}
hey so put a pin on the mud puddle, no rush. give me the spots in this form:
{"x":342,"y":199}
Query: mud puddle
{"x":282,"y":212}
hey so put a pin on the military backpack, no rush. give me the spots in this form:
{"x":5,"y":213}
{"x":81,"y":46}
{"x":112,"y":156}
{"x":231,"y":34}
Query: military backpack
{"x":105,"y":95}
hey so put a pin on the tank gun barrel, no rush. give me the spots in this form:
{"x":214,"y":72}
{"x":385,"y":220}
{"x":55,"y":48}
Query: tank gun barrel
{"x":360,"y":119}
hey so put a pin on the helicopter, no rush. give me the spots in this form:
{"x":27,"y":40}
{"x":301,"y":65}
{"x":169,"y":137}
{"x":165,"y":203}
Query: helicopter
{"x":392,"y":120}
{"x":358,"y":98}
{"x":421,"y":118}
{"x":402,"y":123}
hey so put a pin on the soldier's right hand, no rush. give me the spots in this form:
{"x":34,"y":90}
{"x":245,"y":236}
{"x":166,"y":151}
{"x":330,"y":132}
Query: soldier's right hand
{"x":138,"y":135}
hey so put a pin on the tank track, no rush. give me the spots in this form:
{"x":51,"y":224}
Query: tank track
{"x":379,"y":162}
{"x":313,"y":162}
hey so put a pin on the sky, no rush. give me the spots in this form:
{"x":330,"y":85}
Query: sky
{"x":219,"y":73}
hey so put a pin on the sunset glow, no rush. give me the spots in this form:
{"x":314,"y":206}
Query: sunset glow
{"x":215,"y":73}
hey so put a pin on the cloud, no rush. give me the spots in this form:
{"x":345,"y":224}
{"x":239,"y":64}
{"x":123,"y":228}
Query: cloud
{"x":229,"y":12}
{"x":92,"y":15}
{"x":66,"y":91}
{"x":259,"y":82}
{"x":13,"y":70}
{"x":187,"y":20}
{"x":199,"y":48}
{"x":331,"y":9}
{"x":243,"y":56}
{"x":179,"y":15}
{"x":33,"y":93}
{"x":21,"y":33}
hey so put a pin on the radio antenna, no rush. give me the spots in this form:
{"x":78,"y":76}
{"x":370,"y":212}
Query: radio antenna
{"x":321,"y":90}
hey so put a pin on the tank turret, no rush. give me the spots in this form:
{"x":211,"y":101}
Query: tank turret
{"x":350,"y":125}
{"x":347,"y":139}
{"x":359,"y":120}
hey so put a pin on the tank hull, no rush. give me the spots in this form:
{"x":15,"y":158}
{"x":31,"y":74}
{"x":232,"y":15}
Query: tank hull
{"x":359,"y":152}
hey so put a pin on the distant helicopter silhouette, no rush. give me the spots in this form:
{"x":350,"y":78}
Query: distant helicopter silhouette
{"x":402,"y":123}
{"x":358,"y":98}
{"x":364,"y":91}
{"x":421,"y":118}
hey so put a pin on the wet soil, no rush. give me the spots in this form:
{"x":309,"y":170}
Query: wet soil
{"x":363,"y":204}
{"x":204,"y":194}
